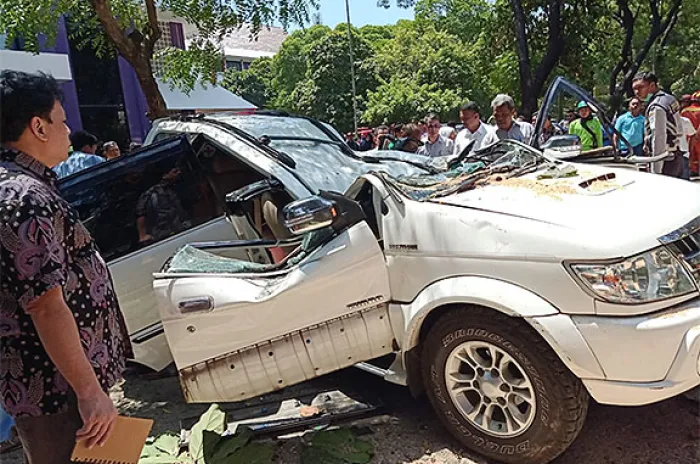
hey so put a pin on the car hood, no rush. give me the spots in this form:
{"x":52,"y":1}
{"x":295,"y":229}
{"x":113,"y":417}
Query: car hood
{"x":626,"y":208}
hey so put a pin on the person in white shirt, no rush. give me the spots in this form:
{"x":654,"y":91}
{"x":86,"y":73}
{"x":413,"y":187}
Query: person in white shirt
{"x":508,"y":128}
{"x":434,"y":144}
{"x":684,"y":145}
{"x":482,"y":135}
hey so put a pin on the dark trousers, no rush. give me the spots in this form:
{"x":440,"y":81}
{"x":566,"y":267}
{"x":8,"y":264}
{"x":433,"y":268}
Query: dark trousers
{"x":674,"y":166}
{"x":50,"y":439}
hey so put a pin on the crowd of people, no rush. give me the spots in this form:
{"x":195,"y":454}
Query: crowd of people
{"x":53,"y":391}
{"x":85,"y":151}
{"x":655,"y":123}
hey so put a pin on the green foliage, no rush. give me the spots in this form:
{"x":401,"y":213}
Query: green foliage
{"x":207,"y":445}
{"x":337,"y":447}
{"x":679,"y":66}
{"x":403,"y":99}
{"x":124,"y":26}
{"x":254,"y":84}
{"x":19,"y":19}
{"x":165,"y":449}
{"x":311,"y":75}
{"x":201,"y":63}
{"x":235,"y":449}
{"x":214,"y":420}
{"x":454,"y":50}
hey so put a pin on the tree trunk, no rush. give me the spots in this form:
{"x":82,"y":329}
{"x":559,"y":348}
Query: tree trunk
{"x":531,"y":86}
{"x":660,"y":26}
{"x":154,"y":99}
{"x":523,"y":51}
{"x":137,"y":50}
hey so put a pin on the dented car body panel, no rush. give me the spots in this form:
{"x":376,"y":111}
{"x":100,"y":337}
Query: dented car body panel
{"x":224,"y":351}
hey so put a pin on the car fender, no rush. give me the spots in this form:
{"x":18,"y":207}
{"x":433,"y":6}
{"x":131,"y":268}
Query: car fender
{"x":557,"y":329}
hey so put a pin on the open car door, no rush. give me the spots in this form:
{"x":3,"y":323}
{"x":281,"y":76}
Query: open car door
{"x":560,"y":98}
{"x":239,"y":329}
{"x":563,"y":95}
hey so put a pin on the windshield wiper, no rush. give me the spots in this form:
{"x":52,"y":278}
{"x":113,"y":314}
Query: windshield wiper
{"x":302,"y":139}
{"x":379,"y":159}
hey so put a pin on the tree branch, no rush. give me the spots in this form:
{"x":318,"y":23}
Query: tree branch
{"x":523,"y":50}
{"x":627,"y":22}
{"x":103,"y":10}
{"x":155,"y":32}
{"x":656,"y":31}
{"x":655,"y":15}
{"x":555,"y":44}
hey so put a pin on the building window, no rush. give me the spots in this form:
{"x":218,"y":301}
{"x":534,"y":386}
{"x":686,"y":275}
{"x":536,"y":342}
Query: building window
{"x":234,"y":64}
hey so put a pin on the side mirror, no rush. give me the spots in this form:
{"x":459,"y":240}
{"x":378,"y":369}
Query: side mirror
{"x":562,"y":146}
{"x":309,"y":214}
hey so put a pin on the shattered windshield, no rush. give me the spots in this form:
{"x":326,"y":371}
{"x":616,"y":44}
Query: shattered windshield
{"x":506,"y":159}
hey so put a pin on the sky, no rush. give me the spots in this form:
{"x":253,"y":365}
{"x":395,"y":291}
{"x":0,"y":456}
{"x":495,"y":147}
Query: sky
{"x":362,"y":12}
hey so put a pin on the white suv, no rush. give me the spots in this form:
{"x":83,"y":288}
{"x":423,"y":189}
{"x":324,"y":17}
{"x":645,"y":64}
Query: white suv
{"x":509,"y":286}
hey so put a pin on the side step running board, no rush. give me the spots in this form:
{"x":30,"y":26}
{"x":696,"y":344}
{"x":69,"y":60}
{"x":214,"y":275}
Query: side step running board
{"x":372,"y":369}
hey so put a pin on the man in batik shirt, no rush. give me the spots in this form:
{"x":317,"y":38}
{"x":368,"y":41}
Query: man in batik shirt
{"x":63,"y":337}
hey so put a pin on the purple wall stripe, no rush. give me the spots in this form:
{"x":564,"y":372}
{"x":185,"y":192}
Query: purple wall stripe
{"x":134,"y":102}
{"x":70,"y":99}
{"x":177,"y":35}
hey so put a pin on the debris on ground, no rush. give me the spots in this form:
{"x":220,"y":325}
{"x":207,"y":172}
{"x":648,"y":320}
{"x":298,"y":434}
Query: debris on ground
{"x":339,"y":446}
{"x":209,"y":443}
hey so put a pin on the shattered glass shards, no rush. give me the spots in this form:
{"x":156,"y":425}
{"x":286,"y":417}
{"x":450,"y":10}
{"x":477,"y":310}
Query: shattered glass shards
{"x":423,"y":187}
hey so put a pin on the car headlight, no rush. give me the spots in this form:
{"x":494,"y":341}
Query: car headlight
{"x":644,"y":278}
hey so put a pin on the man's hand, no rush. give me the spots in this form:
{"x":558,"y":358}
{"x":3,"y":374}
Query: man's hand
{"x":146,"y":238}
{"x":59,"y":335}
{"x":98,"y":414}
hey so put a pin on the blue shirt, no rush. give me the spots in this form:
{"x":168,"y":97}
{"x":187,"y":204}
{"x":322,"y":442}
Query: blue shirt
{"x":6,"y":424}
{"x":631,"y":128}
{"x":77,"y":161}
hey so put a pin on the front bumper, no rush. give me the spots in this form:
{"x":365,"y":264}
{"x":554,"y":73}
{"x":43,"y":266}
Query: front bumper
{"x":642,"y":359}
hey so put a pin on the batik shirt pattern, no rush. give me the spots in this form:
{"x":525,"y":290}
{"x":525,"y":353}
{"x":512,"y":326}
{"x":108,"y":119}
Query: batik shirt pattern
{"x":43,"y":245}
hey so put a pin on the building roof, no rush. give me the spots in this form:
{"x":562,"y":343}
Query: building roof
{"x":55,"y":64}
{"x":240,"y":44}
{"x":269,"y":39}
{"x":201,"y":98}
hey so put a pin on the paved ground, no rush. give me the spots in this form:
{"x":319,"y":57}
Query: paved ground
{"x":667,"y":433}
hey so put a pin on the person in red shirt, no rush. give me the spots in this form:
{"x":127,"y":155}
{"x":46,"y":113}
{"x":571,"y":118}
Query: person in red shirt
{"x":690,"y":108}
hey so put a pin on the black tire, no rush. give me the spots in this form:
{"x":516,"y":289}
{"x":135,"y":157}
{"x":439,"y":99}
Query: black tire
{"x":561,"y":399}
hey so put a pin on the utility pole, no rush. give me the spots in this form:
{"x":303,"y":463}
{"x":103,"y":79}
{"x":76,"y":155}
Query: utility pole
{"x":352,"y":66}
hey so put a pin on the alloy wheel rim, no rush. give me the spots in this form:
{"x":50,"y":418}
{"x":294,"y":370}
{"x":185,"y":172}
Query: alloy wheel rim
{"x":490,"y":389}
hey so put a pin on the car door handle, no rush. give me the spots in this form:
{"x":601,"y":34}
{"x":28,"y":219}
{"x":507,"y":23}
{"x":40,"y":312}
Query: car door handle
{"x":196,"y":305}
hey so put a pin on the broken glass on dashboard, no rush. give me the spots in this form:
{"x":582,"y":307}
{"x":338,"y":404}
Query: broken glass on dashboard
{"x":508,"y":159}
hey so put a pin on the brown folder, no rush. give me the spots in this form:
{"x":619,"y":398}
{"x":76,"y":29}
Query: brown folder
{"x":123,"y":446}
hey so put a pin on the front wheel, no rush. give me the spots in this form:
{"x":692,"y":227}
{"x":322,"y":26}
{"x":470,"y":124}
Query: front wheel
{"x":500,"y":389}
